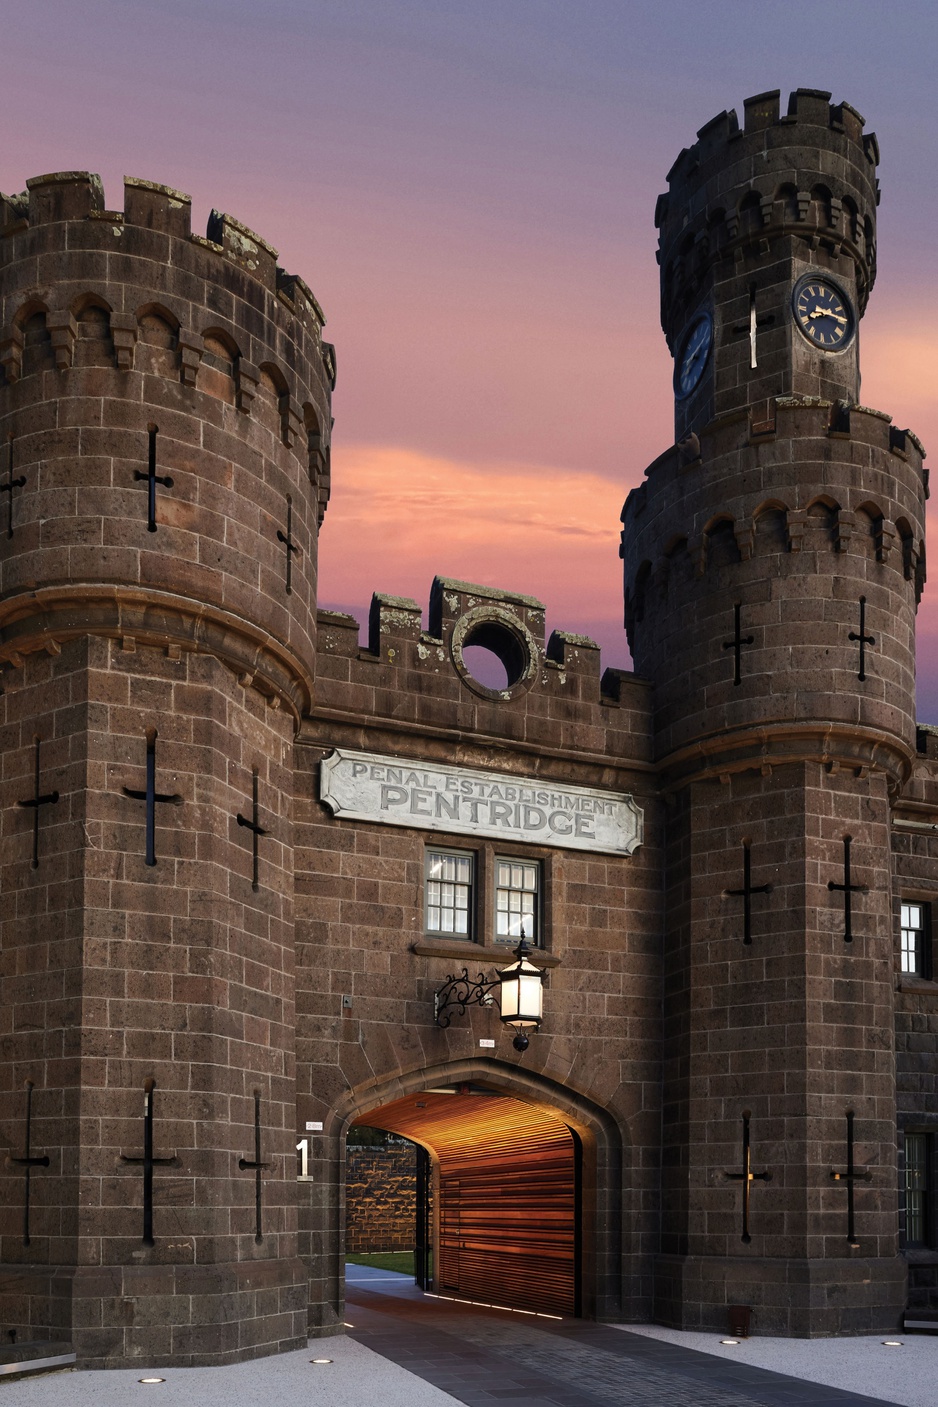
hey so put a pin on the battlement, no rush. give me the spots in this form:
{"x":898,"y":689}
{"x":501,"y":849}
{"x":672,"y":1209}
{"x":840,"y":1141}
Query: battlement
{"x":705,"y":509}
{"x":808,"y":174}
{"x":63,"y":196}
{"x":681,"y":473}
{"x":197,"y":450}
{"x":509,"y":625}
{"x":807,"y":107}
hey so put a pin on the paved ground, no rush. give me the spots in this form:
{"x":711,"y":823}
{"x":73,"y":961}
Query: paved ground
{"x":404,"y":1349}
{"x":488,"y":1357}
{"x":355,"y":1378}
{"x":908,"y":1375}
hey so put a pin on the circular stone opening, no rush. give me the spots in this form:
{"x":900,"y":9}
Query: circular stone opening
{"x":494,"y":655}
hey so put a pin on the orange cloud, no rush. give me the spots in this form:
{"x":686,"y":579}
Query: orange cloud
{"x":900,"y":374}
{"x":399,"y":517}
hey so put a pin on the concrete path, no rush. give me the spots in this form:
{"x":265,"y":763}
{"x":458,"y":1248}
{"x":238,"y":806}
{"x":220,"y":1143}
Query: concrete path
{"x":908,"y":1375}
{"x":405,"y":1349}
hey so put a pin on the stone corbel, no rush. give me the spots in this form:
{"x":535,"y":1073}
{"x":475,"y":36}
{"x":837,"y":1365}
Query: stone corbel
{"x":124,"y":337}
{"x":63,"y":330}
{"x":317,"y":460}
{"x":766,"y":209}
{"x":248,"y":381}
{"x":323,"y":485}
{"x":804,"y":204}
{"x":837,"y":210}
{"x":293,"y":427}
{"x":745,"y":540}
{"x":797,"y":526}
{"x":846,"y":522}
{"x":191,"y":348}
{"x":885,"y":541}
{"x":11,"y":353}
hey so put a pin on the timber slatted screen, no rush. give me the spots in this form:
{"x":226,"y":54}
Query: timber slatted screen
{"x":507,"y":1197}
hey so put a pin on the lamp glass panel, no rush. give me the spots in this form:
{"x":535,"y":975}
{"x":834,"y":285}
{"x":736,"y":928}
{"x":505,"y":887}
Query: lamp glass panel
{"x":521,"y":995}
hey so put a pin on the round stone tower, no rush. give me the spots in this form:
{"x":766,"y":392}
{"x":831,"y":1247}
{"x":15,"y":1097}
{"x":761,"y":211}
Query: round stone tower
{"x":164,"y":431}
{"x":774,"y":558}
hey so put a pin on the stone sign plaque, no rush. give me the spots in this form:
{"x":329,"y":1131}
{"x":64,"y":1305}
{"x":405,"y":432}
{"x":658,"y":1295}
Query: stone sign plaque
{"x":364,"y":786}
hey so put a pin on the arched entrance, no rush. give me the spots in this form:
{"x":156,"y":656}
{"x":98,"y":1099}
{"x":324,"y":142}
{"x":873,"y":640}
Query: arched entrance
{"x":506,"y":1180}
{"x":521,"y":1176}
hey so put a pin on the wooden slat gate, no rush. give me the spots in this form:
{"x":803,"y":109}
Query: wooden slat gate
{"x":509,"y":1197}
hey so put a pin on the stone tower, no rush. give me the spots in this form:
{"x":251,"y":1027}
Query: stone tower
{"x":164,"y":427}
{"x":773,"y":563}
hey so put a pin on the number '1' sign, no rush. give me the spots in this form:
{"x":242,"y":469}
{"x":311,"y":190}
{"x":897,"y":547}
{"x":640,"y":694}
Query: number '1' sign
{"x":303,"y":1149}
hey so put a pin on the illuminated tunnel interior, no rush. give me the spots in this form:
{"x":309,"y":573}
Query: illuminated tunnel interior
{"x":505,"y":1222}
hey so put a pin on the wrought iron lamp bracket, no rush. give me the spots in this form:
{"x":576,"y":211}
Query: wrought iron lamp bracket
{"x":457,"y":993}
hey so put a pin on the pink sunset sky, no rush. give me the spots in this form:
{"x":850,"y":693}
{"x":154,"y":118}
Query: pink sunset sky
{"x":469,"y":189}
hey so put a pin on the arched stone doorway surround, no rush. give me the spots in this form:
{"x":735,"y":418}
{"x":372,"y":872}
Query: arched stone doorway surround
{"x":608,"y":1276}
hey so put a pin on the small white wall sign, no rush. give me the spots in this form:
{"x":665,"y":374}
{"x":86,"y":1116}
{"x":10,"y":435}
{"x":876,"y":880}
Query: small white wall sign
{"x":364,"y":786}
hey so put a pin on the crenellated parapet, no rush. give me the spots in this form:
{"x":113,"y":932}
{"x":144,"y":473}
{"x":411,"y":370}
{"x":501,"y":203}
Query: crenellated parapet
{"x":776,"y":531}
{"x":739,"y":187}
{"x":751,"y":209}
{"x":553,"y":697}
{"x":165,"y":422}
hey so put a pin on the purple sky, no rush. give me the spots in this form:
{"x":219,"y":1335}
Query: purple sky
{"x":469,"y":189}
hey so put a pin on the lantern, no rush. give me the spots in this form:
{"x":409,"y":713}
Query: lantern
{"x":522,"y":994}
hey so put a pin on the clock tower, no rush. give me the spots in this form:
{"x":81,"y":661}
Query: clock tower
{"x":773,"y":563}
{"x":768,"y":255}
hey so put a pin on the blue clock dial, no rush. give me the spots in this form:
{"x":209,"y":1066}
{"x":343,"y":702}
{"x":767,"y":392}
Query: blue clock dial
{"x":823,"y":312}
{"x":692,"y":359}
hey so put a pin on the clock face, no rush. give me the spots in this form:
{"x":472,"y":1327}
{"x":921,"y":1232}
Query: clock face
{"x":823,"y":313}
{"x":692,"y":358}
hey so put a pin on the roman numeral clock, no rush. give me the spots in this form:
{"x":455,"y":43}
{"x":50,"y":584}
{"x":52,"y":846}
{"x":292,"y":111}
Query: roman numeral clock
{"x":823,"y":312}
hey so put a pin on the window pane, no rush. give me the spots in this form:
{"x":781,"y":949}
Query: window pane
{"x":916,"y":1186}
{"x":449,"y":893}
{"x":912,"y":938}
{"x":516,"y":900}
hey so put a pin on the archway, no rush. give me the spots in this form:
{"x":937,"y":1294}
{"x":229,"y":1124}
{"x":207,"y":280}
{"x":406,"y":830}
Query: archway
{"x":506,"y":1195}
{"x":523,"y":1173}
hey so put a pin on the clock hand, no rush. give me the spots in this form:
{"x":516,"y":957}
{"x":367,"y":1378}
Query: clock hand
{"x":827,"y":313}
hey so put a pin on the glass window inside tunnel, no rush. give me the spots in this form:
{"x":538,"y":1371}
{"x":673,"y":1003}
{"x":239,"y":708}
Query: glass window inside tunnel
{"x":490,"y":1199}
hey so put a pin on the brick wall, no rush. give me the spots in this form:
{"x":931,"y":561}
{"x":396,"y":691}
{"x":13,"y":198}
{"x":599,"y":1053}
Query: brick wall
{"x":380,"y":1199}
